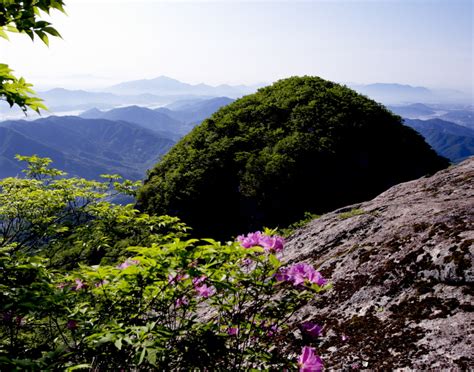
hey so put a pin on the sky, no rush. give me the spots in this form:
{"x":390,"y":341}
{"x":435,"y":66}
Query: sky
{"x":416,"y":42}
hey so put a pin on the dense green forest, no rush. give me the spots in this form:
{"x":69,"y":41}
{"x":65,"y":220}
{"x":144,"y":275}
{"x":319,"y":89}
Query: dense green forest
{"x":301,"y":145}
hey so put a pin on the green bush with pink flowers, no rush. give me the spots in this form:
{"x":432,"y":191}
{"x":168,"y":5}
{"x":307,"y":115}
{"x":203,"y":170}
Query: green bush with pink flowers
{"x":169,"y":302}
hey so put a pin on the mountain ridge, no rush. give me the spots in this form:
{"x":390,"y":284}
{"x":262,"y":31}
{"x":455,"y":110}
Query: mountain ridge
{"x":85,"y":147}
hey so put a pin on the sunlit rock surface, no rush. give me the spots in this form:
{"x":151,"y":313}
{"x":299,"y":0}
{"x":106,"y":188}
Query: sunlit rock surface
{"x":402,"y":269}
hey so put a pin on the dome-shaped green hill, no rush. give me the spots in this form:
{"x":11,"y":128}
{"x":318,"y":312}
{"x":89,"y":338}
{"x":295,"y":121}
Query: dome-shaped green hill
{"x":301,"y":145}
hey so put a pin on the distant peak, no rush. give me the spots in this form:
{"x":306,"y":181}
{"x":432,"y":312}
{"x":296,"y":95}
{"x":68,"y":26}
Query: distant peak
{"x":164,"y":78}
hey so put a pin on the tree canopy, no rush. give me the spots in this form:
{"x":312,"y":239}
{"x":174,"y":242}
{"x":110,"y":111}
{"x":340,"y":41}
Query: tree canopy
{"x":24,"y":17}
{"x":301,"y":145}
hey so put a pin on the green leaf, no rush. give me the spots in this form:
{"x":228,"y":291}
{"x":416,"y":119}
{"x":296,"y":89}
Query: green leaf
{"x":142,"y":356}
{"x":3,"y":34}
{"x":274,"y":261}
{"x":79,"y":366}
{"x":118,"y":344}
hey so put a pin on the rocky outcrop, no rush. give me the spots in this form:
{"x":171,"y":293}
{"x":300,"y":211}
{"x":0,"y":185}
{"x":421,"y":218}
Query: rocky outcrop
{"x":402,"y":272}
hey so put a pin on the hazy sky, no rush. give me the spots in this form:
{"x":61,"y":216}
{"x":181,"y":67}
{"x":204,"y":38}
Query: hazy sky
{"x":416,"y":42}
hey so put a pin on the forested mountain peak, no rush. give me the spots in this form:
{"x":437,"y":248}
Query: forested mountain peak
{"x":302,"y":144}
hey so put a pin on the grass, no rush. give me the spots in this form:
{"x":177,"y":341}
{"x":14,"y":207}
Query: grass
{"x":351,"y":213}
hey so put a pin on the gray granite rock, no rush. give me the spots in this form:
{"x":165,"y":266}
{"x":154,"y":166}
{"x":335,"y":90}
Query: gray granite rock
{"x":402,"y":272}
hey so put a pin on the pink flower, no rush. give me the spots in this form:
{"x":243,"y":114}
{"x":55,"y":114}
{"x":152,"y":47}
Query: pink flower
{"x":71,"y":324}
{"x":344,"y":338}
{"x":271,"y":244}
{"x":309,"y":361}
{"x":312,"y":329}
{"x":79,"y":285}
{"x":232,"y":331}
{"x":205,"y":291}
{"x":62,"y":285}
{"x":251,"y":240}
{"x":299,"y":273}
{"x":176,"y":278}
{"x":282,"y":275}
{"x":128,"y":263}
{"x":201,"y":279}
{"x":272,"y":330}
{"x":181,"y":301}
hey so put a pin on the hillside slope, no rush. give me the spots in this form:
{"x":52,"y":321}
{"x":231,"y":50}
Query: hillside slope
{"x":450,"y":140}
{"x":82,"y":147}
{"x":402,"y":269}
{"x":158,"y":122}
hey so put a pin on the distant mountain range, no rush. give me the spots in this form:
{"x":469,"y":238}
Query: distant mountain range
{"x":82,"y":147}
{"x":450,"y":140}
{"x":403,"y":94}
{"x":156,"y":121}
{"x":194,"y":111}
{"x":172,"y":122}
{"x":59,"y":99}
{"x":461,"y":117}
{"x":164,"y":85}
{"x":125,"y":140}
{"x":163,"y":91}
{"x":413,"y":111}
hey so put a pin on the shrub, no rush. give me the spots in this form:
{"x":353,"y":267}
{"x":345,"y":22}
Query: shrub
{"x":170,"y":303}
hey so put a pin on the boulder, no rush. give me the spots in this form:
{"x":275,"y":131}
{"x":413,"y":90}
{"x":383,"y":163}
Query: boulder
{"x":401,"y":266}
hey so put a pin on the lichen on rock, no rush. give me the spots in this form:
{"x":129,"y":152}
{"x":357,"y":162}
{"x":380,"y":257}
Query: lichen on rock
{"x":402,"y":276}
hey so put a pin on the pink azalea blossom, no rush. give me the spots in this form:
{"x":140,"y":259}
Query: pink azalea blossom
{"x":79,"y":285}
{"x":269,"y":243}
{"x":176,"y":278}
{"x":272,"y":243}
{"x":128,"y":263}
{"x":201,"y":279}
{"x":251,"y":240}
{"x":309,"y":361}
{"x":181,"y":301}
{"x":272,"y":330}
{"x":205,"y":291}
{"x":312,"y":329}
{"x":282,"y":275}
{"x":300,"y":273}
{"x":232,"y":331}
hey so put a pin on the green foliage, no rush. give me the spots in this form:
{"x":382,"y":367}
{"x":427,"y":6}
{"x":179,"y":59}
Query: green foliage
{"x":308,"y":217}
{"x":172,"y":304}
{"x":24,"y":17}
{"x":302,"y":144}
{"x":135,"y":316}
{"x":17,"y":91}
{"x":69,"y":220}
{"x":351,"y":213}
